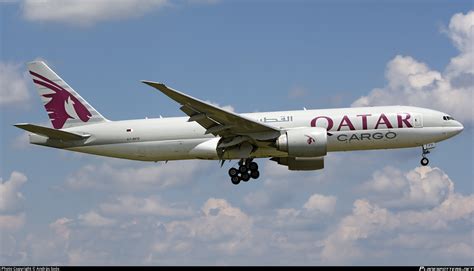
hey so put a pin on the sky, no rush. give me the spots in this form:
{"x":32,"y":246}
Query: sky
{"x":364,"y":208}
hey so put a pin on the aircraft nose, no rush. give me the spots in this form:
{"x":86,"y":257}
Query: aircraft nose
{"x":455,"y":128}
{"x":459,"y":127}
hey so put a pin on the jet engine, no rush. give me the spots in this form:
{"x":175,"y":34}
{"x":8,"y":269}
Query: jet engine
{"x":303,"y":142}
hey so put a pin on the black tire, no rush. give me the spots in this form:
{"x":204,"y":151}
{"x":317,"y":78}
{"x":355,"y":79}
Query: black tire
{"x":235,"y":180}
{"x":233,"y":172}
{"x":255,"y":174}
{"x":424,"y":161}
{"x":243,"y":169}
{"x":245,"y":177}
{"x":253,"y":166}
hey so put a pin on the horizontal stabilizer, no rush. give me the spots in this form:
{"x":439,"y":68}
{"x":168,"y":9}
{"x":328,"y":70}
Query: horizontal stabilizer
{"x":51,"y":133}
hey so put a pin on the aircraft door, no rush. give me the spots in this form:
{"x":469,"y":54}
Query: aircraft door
{"x":417,"y":121}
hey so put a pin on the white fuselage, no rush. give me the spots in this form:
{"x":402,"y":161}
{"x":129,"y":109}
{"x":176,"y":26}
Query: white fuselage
{"x":363,"y":128}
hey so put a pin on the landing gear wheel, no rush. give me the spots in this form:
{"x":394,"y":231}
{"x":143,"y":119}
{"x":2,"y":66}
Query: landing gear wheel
{"x":255,"y":174}
{"x":245,"y":171}
{"x":233,"y":172}
{"x":253,"y":166}
{"x":235,"y":180}
{"x":424,"y":161}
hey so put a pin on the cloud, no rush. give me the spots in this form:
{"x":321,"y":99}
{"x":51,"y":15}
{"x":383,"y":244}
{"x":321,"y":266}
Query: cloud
{"x":10,"y":195}
{"x":87,"y":13}
{"x":155,"y":231}
{"x":369,"y":221}
{"x":321,"y":204}
{"x":220,"y":227}
{"x":275,"y":192}
{"x":421,"y":187}
{"x":387,"y":180}
{"x":281,"y":186}
{"x":80,"y":12}
{"x":12,"y":222}
{"x":366,"y":219}
{"x":458,"y":250}
{"x":204,"y":1}
{"x":135,"y":178}
{"x":22,"y":141}
{"x":60,"y":227}
{"x":460,"y":31}
{"x":297,"y":92}
{"x":13,"y":85}
{"x":411,"y":82}
{"x":455,"y":207}
{"x":318,"y":208}
{"x":94,"y":219}
{"x":12,"y":217}
{"x":215,"y":230}
{"x":134,"y":206}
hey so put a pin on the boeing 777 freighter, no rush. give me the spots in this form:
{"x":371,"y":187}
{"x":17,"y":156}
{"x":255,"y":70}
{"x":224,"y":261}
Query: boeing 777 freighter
{"x":297,"y":139}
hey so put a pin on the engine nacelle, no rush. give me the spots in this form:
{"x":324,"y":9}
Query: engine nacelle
{"x":301,"y":163}
{"x":304,"y":142}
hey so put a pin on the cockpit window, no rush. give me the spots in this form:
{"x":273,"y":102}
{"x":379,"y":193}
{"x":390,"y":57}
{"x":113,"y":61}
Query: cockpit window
{"x":448,"y":118}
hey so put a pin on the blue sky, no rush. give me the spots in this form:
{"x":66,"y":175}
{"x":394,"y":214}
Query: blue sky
{"x":372,"y":207}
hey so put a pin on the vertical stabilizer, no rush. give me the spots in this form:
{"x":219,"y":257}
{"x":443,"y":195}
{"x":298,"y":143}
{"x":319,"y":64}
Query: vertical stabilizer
{"x":65,"y":107}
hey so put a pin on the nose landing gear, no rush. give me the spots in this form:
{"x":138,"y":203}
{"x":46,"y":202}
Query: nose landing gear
{"x":247,"y":170}
{"x":424,"y":161}
{"x":426,"y":150}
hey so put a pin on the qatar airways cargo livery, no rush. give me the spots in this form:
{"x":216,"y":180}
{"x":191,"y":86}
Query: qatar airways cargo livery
{"x":297,"y":139}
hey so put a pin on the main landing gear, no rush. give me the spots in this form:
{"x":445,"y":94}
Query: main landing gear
{"x":426,"y":150}
{"x":247,"y":170}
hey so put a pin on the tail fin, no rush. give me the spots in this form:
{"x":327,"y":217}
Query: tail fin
{"x":65,"y":107}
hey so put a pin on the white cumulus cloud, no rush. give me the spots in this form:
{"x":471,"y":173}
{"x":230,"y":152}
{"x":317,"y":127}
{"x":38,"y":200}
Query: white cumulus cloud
{"x":94,"y":219}
{"x":228,"y":228}
{"x":369,"y":221}
{"x":60,"y":227}
{"x":366,"y":219}
{"x":135,"y":178}
{"x":82,"y":12}
{"x":411,"y":82}
{"x":13,"y":85}
{"x":10,"y":195}
{"x":88,"y":12}
{"x":321,"y":203}
{"x":130,"y":205}
{"x":419,"y":188}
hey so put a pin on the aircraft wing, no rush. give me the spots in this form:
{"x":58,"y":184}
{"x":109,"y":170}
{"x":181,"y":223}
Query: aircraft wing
{"x":216,"y":120}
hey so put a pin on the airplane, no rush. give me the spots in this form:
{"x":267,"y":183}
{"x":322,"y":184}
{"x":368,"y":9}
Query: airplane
{"x":299,"y":140}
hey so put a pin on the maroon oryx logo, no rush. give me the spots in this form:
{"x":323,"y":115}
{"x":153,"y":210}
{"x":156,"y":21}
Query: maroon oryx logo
{"x":62,"y":104}
{"x":310,"y":140}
